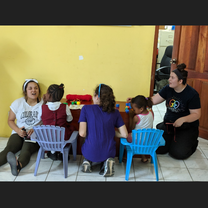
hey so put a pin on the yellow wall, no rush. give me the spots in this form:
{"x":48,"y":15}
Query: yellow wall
{"x":119,"y":56}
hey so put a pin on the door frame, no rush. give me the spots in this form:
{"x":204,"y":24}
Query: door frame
{"x":154,"y":61}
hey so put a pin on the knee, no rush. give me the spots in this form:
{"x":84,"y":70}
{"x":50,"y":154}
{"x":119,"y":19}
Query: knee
{"x":160,"y":126}
{"x":162,"y":150}
{"x":180,"y":155}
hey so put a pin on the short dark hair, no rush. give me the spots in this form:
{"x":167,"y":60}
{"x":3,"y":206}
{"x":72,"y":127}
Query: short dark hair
{"x":56,"y":91}
{"x":184,"y":74}
{"x":142,"y":102}
{"x":107,"y":98}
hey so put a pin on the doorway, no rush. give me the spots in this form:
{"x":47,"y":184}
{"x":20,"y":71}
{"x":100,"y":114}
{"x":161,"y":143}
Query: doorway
{"x":164,"y":37}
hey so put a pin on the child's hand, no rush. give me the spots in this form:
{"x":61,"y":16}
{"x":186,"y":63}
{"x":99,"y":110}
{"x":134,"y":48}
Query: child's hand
{"x":30,"y":132}
{"x":128,"y":100}
{"x":44,"y":99}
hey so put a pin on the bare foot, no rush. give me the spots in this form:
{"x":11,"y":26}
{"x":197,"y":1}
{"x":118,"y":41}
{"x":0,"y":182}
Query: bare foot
{"x":144,"y":159}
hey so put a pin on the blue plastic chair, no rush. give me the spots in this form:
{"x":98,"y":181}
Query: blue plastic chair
{"x":51,"y":138}
{"x":144,"y":142}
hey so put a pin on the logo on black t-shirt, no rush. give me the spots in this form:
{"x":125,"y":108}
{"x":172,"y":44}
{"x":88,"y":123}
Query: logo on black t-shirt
{"x":174,"y":103}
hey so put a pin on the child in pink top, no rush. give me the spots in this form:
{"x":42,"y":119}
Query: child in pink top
{"x":141,"y":117}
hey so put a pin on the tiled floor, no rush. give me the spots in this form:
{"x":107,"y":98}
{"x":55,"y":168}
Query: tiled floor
{"x":194,"y":168}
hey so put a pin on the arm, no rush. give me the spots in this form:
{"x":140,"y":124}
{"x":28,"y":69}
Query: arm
{"x":83,"y":129}
{"x":12,"y":124}
{"x":133,"y":119}
{"x":156,"y":99}
{"x":69,"y":115}
{"x":193,"y":116}
{"x":44,"y":99}
{"x":122,"y":132}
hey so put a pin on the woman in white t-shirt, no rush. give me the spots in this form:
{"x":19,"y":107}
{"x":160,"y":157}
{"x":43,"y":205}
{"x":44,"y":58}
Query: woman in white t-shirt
{"x":27,"y":113}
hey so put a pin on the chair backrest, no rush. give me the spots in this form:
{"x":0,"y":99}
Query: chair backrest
{"x":50,"y":137}
{"x":145,"y":141}
{"x":165,"y":61}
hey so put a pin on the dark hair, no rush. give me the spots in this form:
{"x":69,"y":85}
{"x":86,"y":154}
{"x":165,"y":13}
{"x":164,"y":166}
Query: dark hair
{"x":25,"y":92}
{"x":182,"y":72}
{"x":56,"y":91}
{"x":142,"y":102}
{"x":107,"y":98}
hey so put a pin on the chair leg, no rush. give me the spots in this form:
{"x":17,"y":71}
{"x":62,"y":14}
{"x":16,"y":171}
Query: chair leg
{"x":151,"y":160}
{"x":74,"y":149}
{"x":128,"y":164}
{"x":121,"y":151}
{"x":154,"y":157}
{"x":65,"y":161}
{"x":39,"y":156}
{"x":43,"y":154}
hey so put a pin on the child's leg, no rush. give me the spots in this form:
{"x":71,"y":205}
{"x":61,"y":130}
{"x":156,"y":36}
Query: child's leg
{"x":144,"y":159}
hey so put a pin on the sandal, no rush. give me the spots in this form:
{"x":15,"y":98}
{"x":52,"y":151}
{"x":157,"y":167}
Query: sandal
{"x":11,"y":159}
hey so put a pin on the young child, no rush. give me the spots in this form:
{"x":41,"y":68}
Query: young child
{"x":141,"y":117}
{"x":97,"y":125}
{"x":55,"y":113}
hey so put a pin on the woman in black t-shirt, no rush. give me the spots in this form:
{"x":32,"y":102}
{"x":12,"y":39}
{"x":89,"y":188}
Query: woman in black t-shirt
{"x":181,"y":120}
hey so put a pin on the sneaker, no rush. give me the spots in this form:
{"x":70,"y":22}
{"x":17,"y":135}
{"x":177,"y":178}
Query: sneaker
{"x":52,"y":156}
{"x":60,"y":156}
{"x":109,"y":167}
{"x":86,"y":166}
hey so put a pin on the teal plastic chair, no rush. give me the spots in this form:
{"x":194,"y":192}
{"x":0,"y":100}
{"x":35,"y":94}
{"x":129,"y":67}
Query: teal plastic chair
{"x":144,"y":142}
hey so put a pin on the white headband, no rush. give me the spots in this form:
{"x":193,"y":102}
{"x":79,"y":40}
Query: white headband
{"x":29,"y":80}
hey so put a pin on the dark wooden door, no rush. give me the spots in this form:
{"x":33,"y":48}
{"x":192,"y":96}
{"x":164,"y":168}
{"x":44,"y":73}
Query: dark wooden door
{"x":191,"y":47}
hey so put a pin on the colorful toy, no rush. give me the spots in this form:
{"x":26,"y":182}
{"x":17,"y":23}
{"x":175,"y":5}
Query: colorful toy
{"x":128,"y":107}
{"x":76,"y":102}
{"x":117,"y":106}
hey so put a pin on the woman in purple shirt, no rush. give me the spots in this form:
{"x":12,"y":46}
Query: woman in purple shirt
{"x":97,"y":125}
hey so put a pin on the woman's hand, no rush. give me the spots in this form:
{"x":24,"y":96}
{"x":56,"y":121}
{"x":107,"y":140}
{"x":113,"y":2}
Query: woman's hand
{"x":193,"y":116}
{"x":21,"y":132}
{"x":178,"y":122}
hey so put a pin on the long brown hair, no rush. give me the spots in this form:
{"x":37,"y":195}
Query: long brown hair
{"x":107,"y":98}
